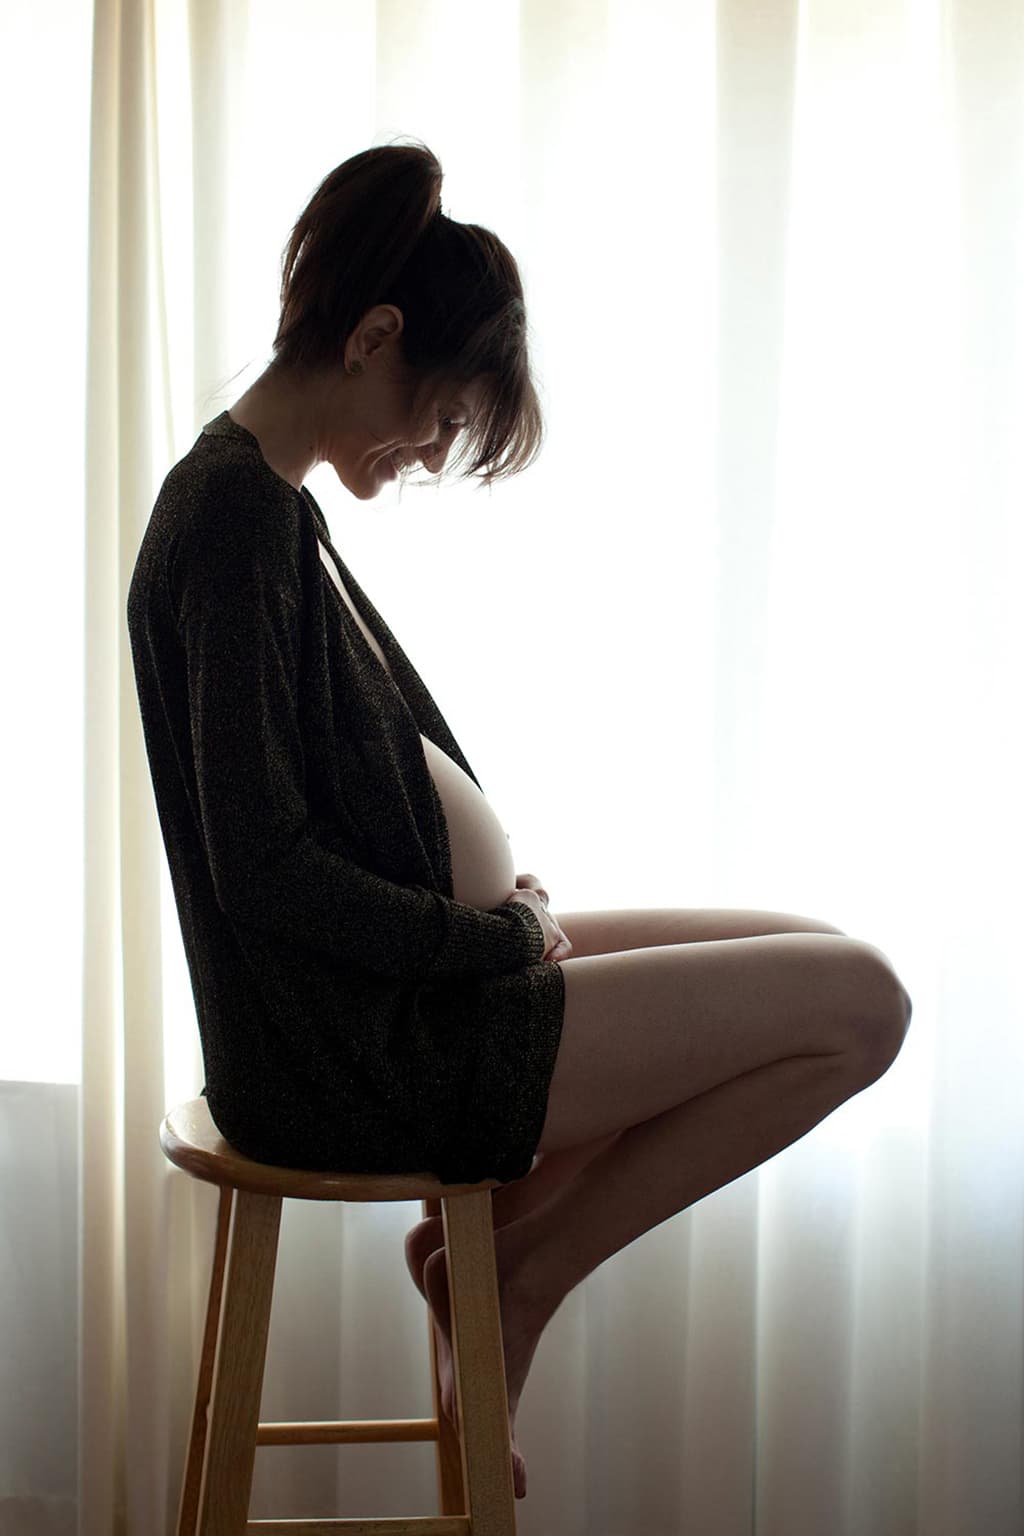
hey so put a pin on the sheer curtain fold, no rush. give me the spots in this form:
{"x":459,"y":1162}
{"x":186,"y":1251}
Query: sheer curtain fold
{"x":777,"y":255}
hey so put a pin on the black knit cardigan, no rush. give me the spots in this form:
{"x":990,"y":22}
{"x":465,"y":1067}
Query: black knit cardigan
{"x":352,"y":1014}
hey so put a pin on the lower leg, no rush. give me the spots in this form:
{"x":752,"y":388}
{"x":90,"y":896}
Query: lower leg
{"x":516,"y":1199}
{"x":665,"y":1164}
{"x":556,"y":1169}
{"x":510,"y":1202}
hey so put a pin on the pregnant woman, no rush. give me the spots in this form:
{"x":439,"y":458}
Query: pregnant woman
{"x":376,"y":988}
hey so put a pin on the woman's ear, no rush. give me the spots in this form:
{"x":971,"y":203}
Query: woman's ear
{"x":381,"y":324}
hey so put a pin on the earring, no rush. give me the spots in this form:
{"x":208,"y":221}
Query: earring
{"x":355,"y":366}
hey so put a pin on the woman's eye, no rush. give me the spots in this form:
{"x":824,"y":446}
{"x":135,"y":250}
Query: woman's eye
{"x":447,"y":423}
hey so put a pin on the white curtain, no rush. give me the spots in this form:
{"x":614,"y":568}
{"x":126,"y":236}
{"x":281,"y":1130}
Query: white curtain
{"x":768,"y":569}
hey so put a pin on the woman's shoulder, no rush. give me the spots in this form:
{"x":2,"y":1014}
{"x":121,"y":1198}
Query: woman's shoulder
{"x":219,"y":483}
{"x":218,"y":517}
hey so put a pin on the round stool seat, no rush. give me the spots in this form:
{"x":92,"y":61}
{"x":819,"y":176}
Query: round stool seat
{"x":191,"y":1140}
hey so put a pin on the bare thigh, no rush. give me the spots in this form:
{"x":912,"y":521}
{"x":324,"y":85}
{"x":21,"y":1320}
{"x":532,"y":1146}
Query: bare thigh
{"x":604,"y":932}
{"x":645,"y":1029}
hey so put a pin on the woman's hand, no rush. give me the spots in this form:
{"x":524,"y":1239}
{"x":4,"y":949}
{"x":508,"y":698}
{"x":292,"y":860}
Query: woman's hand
{"x":559,"y":945}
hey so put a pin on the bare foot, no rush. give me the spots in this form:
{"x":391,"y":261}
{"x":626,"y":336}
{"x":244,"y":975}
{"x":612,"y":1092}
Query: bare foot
{"x":521,"y":1326}
{"x":420,"y":1242}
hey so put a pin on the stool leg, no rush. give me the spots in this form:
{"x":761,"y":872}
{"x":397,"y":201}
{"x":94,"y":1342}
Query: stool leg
{"x":188,"y":1508}
{"x":479,"y":1361}
{"x":241,"y":1356}
{"x":451,"y":1491}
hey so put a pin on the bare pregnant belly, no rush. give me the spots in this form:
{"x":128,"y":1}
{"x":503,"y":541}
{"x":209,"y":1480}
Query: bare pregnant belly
{"x":483,"y":869}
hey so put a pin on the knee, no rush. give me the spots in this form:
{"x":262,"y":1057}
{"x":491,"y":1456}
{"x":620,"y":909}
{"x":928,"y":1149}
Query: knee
{"x":886,"y":1016}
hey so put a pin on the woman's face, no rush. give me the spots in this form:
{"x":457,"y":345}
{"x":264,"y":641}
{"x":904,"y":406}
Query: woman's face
{"x":382,"y":427}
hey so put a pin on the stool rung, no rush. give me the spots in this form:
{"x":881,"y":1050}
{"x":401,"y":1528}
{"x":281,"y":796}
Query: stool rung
{"x":346,"y":1432}
{"x":428,"y":1525}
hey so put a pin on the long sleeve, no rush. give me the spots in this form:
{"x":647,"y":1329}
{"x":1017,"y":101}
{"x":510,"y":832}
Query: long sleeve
{"x":236,"y":590}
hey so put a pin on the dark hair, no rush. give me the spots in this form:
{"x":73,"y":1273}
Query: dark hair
{"x":373,"y":233}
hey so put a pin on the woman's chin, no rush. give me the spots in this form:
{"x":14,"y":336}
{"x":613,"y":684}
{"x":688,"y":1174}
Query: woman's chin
{"x":363,"y":487}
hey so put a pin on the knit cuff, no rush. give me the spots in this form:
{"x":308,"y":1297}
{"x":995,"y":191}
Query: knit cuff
{"x":535,"y":940}
{"x":506,"y":939}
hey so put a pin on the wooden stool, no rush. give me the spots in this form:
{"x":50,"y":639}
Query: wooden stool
{"x":474,"y":1462}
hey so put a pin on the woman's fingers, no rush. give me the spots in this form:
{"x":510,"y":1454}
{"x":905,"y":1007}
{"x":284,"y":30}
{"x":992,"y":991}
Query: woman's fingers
{"x":531,"y":883}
